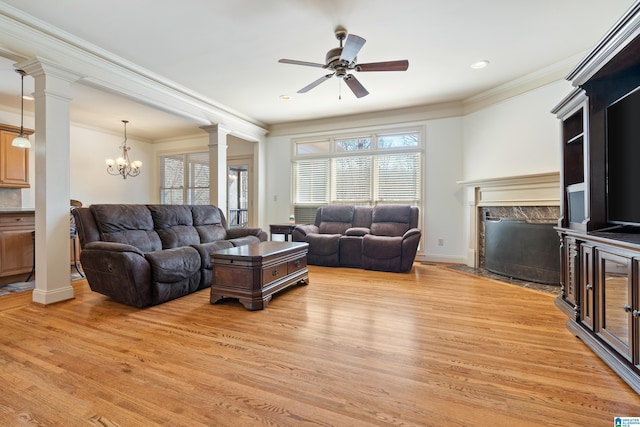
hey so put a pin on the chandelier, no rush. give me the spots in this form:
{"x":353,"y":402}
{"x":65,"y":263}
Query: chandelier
{"x":122,"y":165}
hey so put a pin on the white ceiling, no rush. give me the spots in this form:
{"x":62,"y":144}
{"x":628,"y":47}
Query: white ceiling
{"x":228,"y":51}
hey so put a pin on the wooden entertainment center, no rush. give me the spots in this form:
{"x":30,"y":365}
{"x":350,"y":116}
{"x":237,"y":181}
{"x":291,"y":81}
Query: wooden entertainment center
{"x":599,"y":227}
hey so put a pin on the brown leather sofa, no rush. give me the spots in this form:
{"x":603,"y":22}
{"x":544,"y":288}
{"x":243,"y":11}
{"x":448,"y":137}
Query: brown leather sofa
{"x":144,"y":255}
{"x":384,"y":237}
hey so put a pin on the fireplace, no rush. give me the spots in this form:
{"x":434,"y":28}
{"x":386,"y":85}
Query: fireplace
{"x":518,"y":214}
{"x":521,"y":248}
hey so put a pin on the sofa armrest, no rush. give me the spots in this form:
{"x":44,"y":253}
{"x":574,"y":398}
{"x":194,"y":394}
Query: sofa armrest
{"x":119,"y":271}
{"x":301,"y":232}
{"x":411,"y":232}
{"x":113,"y":247}
{"x":235,"y":233}
{"x":357,"y":231}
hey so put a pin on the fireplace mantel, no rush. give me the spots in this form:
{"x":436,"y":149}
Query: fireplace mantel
{"x":523,"y":190}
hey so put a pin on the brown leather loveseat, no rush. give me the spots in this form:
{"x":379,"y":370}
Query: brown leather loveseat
{"x":144,"y":255}
{"x":384,"y":237}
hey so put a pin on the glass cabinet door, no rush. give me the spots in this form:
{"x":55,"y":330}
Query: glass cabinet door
{"x":615,"y":302}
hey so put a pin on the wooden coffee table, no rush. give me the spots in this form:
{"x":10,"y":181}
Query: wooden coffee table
{"x":253,"y":273}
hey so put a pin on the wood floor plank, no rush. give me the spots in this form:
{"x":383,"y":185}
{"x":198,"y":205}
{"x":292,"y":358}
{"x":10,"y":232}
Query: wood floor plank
{"x":430,"y":348}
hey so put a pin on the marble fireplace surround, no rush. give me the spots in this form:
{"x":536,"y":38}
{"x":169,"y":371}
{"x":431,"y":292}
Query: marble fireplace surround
{"x":535,"y":198}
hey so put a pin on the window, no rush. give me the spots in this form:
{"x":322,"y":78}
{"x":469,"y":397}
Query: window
{"x":185,"y":179}
{"x":360,"y":170}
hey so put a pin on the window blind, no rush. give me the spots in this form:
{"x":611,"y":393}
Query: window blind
{"x":312,"y":181}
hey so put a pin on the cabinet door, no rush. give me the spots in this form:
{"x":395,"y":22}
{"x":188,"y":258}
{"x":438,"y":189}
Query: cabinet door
{"x":14,"y":163}
{"x":587,"y":288}
{"x":16,"y":252}
{"x":615,"y":306}
{"x":571,"y":270}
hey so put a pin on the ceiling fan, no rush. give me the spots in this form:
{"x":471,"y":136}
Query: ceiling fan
{"x":341,"y":60}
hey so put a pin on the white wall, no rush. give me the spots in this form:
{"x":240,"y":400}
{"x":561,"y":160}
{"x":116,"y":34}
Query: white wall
{"x":517,"y":136}
{"x":90,"y":182}
{"x":443,"y":213}
{"x":278,"y":175}
{"x":444,"y":201}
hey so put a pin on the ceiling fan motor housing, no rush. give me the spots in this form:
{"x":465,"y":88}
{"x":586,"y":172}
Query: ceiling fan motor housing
{"x":333,"y":58}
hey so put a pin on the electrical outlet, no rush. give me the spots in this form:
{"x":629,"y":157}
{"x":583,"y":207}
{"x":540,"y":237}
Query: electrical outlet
{"x":440,"y":242}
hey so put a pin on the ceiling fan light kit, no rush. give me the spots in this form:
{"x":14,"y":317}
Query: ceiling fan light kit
{"x":342,"y":60}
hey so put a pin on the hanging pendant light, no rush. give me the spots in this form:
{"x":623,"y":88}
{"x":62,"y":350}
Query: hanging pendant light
{"x":21,"y":140}
{"x":122,"y":166}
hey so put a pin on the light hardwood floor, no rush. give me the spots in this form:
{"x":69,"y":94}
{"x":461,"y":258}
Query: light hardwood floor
{"x":434,"y":347}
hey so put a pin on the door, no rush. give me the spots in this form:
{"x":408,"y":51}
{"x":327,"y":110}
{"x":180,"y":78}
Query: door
{"x":239,"y":192}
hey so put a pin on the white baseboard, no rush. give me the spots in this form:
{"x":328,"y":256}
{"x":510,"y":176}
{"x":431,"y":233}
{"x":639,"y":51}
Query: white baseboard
{"x":455,"y":259}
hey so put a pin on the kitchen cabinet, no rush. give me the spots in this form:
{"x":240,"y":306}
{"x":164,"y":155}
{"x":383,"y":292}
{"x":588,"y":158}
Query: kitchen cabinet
{"x":14,"y":161}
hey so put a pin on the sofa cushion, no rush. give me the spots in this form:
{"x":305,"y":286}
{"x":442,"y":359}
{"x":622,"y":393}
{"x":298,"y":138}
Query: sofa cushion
{"x":324,"y":249}
{"x":130,"y":224}
{"x":174,"y":225}
{"x":390,"y":220}
{"x":382,"y":253}
{"x":173,"y":265}
{"x":206,"y":249}
{"x":336,"y":219}
{"x":323,"y":244}
{"x":361,"y":217}
{"x":209,"y":223}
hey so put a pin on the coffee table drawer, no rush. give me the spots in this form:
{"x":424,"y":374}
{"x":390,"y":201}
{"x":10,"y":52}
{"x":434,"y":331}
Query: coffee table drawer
{"x":272,"y":273}
{"x":297,"y":264}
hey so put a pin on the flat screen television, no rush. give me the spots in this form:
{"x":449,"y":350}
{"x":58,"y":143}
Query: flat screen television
{"x":575,"y":201}
{"x":623,"y":160}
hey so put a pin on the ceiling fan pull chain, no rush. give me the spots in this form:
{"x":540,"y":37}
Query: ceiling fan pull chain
{"x":339,"y":89}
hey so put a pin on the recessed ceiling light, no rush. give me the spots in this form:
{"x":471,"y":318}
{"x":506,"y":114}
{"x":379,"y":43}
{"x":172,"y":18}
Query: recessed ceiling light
{"x":480,"y":64}
{"x":285,"y":97}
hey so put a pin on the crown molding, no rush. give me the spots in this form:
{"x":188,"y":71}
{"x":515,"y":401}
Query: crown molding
{"x":625,"y":30}
{"x":24,"y":36}
{"x":340,"y":123}
{"x":551,"y":74}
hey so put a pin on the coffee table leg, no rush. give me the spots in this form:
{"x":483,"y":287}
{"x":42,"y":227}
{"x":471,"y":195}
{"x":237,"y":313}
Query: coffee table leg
{"x":255,"y":304}
{"x":215,"y":298}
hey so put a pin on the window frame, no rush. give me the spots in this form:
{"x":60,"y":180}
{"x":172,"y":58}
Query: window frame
{"x":186,"y":186}
{"x":374,"y":152}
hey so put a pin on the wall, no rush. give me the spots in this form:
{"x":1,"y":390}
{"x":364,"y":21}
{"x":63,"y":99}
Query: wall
{"x":90,"y":182}
{"x":517,"y":136}
{"x":513,"y":137}
{"x":443,"y":208}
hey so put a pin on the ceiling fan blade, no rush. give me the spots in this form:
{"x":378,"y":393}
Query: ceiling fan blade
{"x":351,"y":47}
{"x":308,"y":64}
{"x":384,"y":66}
{"x":310,"y":86}
{"x":355,"y":86}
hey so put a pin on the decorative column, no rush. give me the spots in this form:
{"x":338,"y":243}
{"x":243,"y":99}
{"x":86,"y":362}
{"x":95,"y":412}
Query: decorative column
{"x":218,"y":165}
{"x":52,"y":142}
